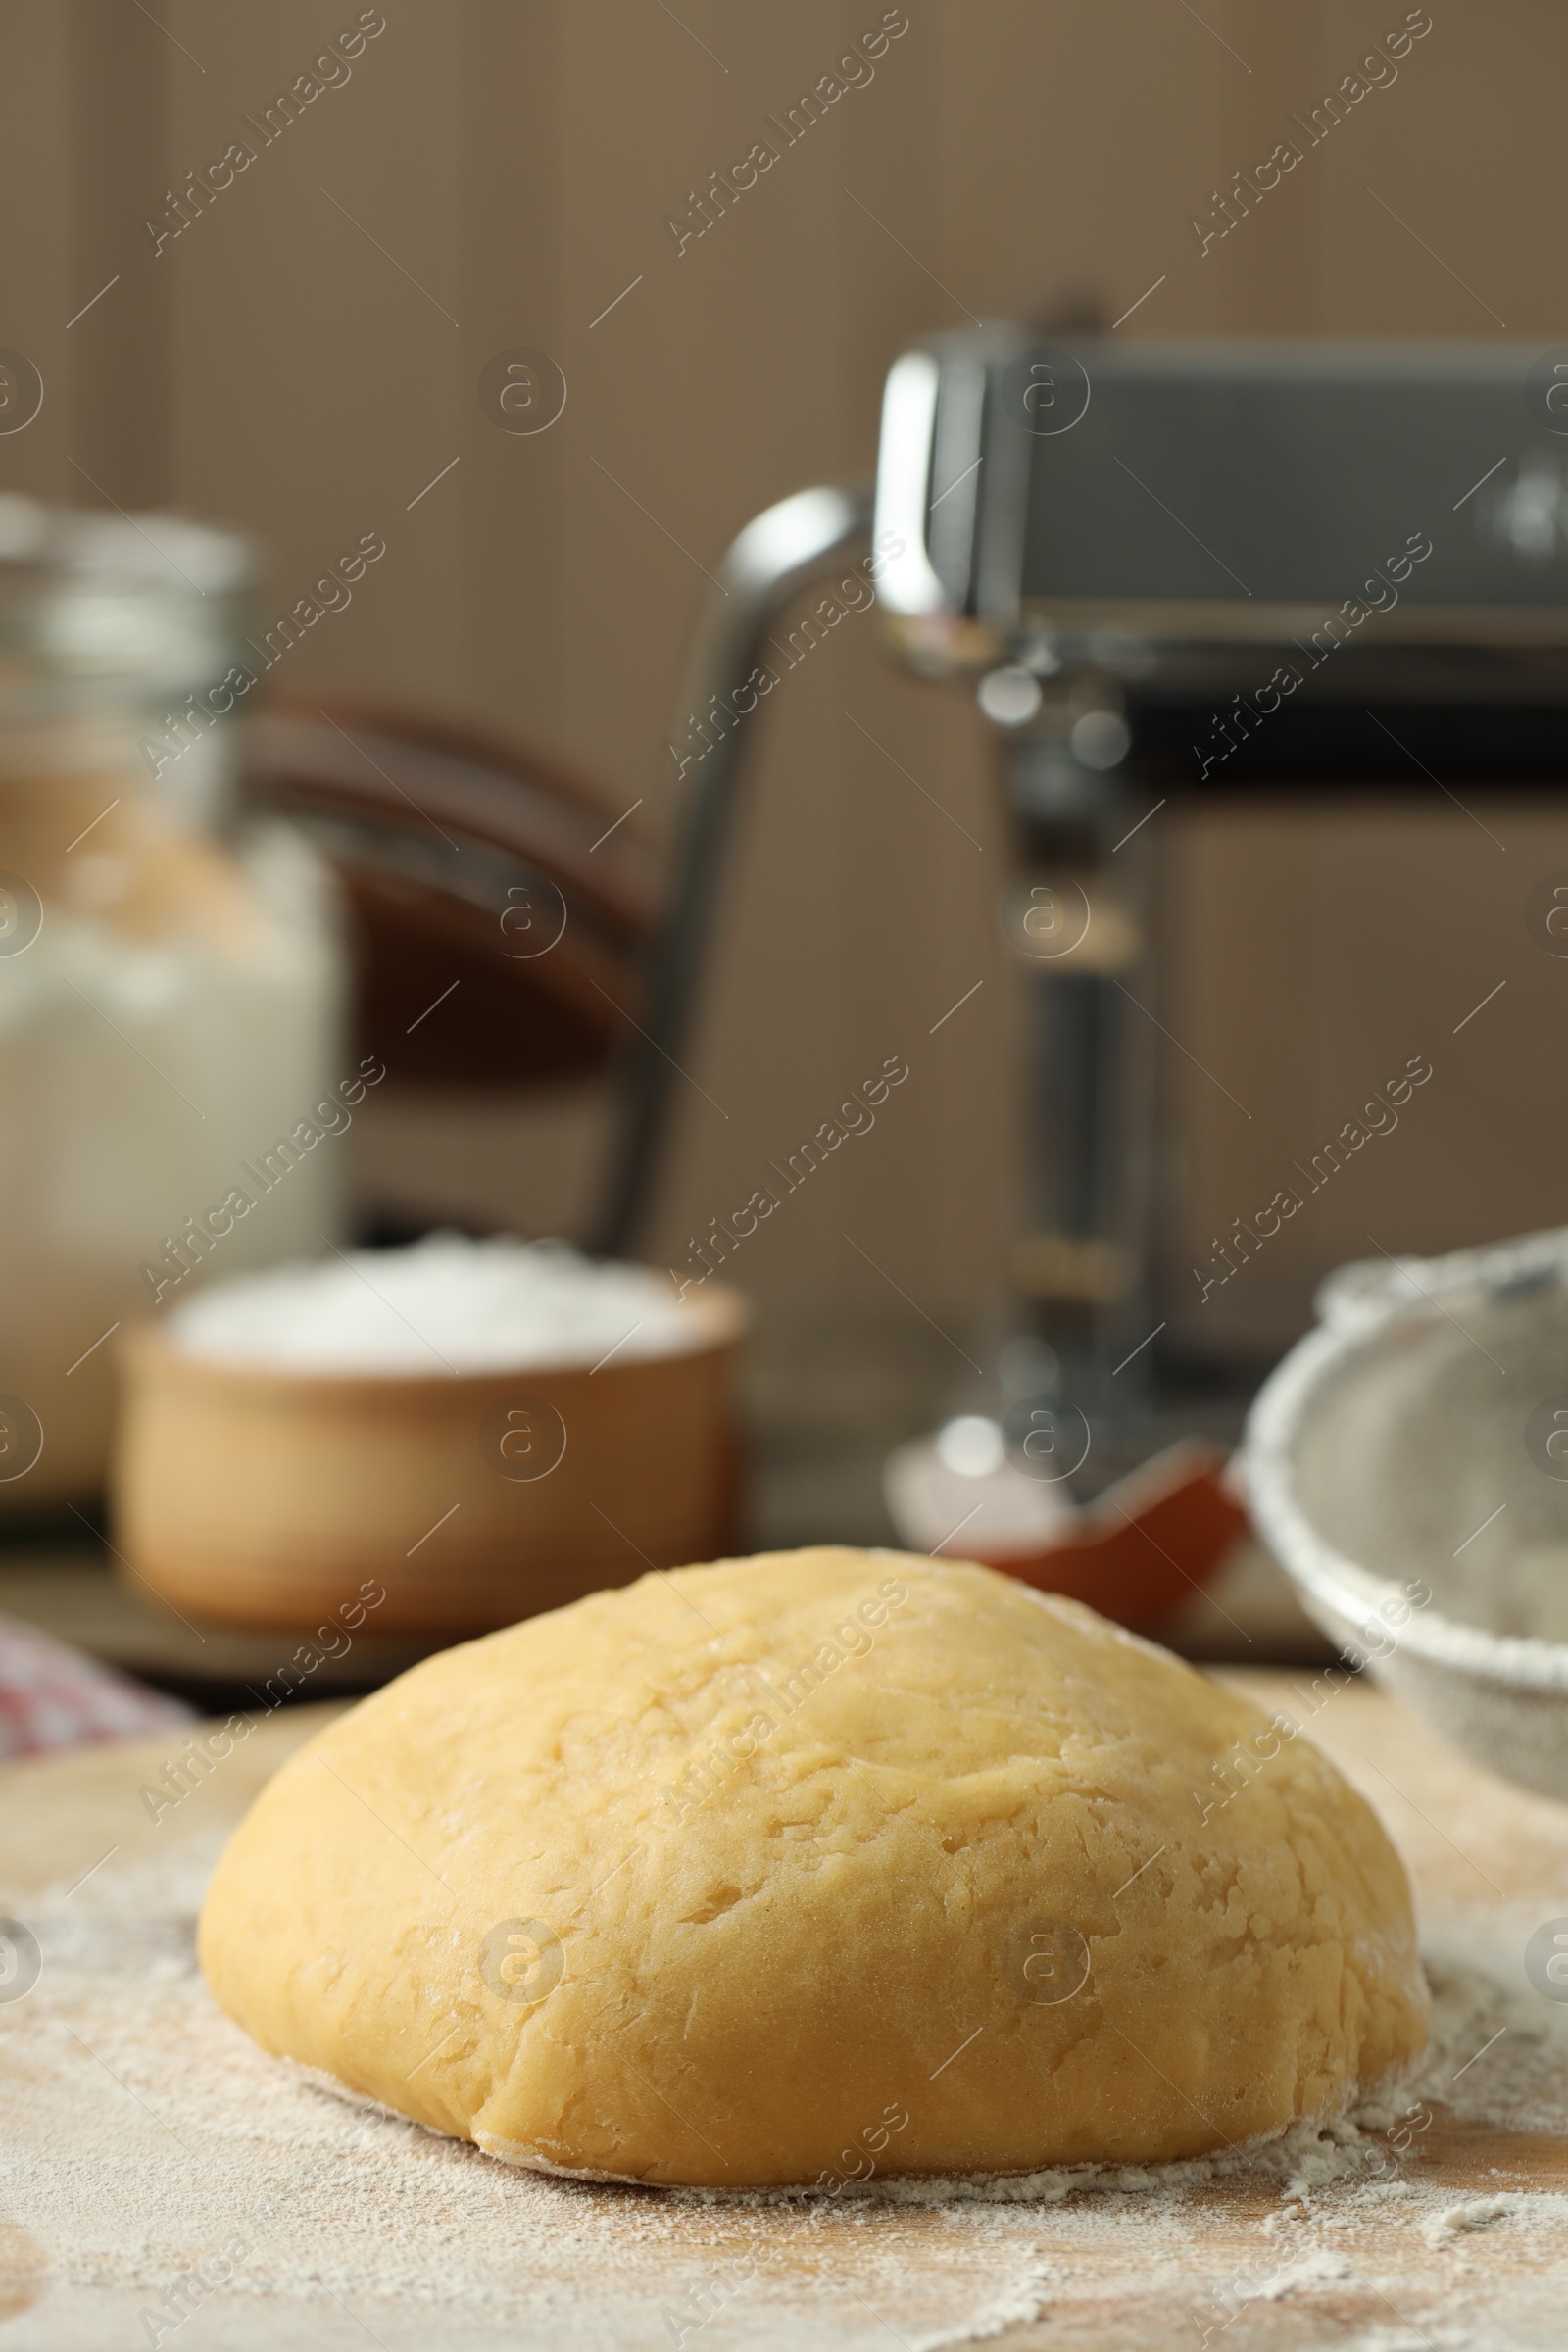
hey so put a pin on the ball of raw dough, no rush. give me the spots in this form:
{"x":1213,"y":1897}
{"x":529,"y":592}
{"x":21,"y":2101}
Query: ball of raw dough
{"x":797,"y":1868}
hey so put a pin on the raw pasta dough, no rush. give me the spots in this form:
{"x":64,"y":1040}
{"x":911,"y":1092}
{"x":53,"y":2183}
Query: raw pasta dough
{"x":790,"y":1869}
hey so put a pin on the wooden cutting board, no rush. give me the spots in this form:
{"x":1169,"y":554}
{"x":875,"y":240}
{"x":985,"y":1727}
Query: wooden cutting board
{"x":143,"y":2138}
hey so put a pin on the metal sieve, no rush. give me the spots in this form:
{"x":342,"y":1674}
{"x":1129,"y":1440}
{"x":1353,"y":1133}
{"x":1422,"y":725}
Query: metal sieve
{"x":1408,"y":1464}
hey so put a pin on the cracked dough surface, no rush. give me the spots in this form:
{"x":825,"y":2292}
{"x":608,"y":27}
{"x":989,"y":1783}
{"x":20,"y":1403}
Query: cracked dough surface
{"x":788,"y":1868}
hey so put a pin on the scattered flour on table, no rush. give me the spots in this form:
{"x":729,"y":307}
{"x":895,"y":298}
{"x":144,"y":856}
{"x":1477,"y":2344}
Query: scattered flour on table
{"x":1477,"y":2212}
{"x":155,"y":2135}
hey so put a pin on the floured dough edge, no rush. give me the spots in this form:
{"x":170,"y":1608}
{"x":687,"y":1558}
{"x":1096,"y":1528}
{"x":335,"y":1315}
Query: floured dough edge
{"x":316,"y":2078}
{"x":1048,"y":2182}
{"x":505,"y":2151}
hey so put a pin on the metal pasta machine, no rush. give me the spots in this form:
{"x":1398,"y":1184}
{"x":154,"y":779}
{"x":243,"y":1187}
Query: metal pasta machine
{"x":1164,"y":569}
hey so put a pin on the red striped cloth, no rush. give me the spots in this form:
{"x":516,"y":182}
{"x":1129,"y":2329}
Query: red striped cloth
{"x":53,"y":1696}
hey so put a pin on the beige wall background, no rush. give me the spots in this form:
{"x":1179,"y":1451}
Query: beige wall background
{"x":509,"y":165}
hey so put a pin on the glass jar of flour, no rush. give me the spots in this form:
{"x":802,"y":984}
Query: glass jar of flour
{"x":172,"y":987}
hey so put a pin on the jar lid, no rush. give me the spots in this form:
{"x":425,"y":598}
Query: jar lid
{"x":100,"y":608}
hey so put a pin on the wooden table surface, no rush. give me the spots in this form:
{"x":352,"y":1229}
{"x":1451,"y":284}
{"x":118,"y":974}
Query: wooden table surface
{"x":134,"y":2116}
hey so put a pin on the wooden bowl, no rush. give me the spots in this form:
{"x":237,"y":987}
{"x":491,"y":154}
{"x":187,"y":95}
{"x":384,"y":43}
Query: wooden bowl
{"x":270,"y":1498}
